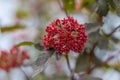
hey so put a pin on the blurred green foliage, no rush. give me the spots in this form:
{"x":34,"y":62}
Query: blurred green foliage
{"x":26,"y":43}
{"x":20,"y":14}
{"x":11,"y":28}
{"x":69,"y":5}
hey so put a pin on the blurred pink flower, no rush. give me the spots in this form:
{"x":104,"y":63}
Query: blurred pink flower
{"x":13,"y":58}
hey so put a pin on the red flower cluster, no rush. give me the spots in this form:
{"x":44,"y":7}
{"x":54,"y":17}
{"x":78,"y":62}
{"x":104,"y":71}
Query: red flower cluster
{"x":11,"y":59}
{"x":65,"y":35}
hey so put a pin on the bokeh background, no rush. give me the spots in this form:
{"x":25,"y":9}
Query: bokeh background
{"x":26,"y":20}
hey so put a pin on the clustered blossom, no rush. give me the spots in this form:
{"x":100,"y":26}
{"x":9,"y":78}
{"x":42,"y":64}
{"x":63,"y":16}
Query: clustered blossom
{"x":65,"y":35}
{"x":13,"y":58}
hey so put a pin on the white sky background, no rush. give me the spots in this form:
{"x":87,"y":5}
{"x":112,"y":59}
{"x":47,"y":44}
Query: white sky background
{"x":7,"y":10}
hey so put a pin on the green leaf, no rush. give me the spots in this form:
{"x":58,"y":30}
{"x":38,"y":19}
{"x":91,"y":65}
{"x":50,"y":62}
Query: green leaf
{"x":81,"y":63}
{"x":98,"y":38}
{"x":26,"y":43}
{"x":92,"y":38}
{"x":102,"y":7}
{"x":93,"y":31}
{"x":92,"y":27}
{"x":11,"y":28}
{"x":38,"y":65}
{"x":93,"y":34}
{"x":87,"y":60}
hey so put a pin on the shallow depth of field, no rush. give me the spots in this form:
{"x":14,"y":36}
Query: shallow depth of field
{"x":59,"y":39}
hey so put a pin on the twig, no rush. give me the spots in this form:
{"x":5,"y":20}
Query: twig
{"x":68,"y":63}
{"x":69,"y":67}
{"x":60,"y":2}
{"x":25,"y":74}
{"x":110,"y":34}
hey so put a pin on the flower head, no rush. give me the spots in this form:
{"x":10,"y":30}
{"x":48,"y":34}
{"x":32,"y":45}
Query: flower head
{"x":13,"y":58}
{"x":65,"y":35}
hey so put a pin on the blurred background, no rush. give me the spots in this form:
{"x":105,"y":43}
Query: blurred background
{"x":26,"y":20}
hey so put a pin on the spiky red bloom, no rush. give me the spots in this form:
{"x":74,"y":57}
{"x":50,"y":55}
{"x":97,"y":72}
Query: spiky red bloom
{"x":65,"y":35}
{"x":13,"y":58}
